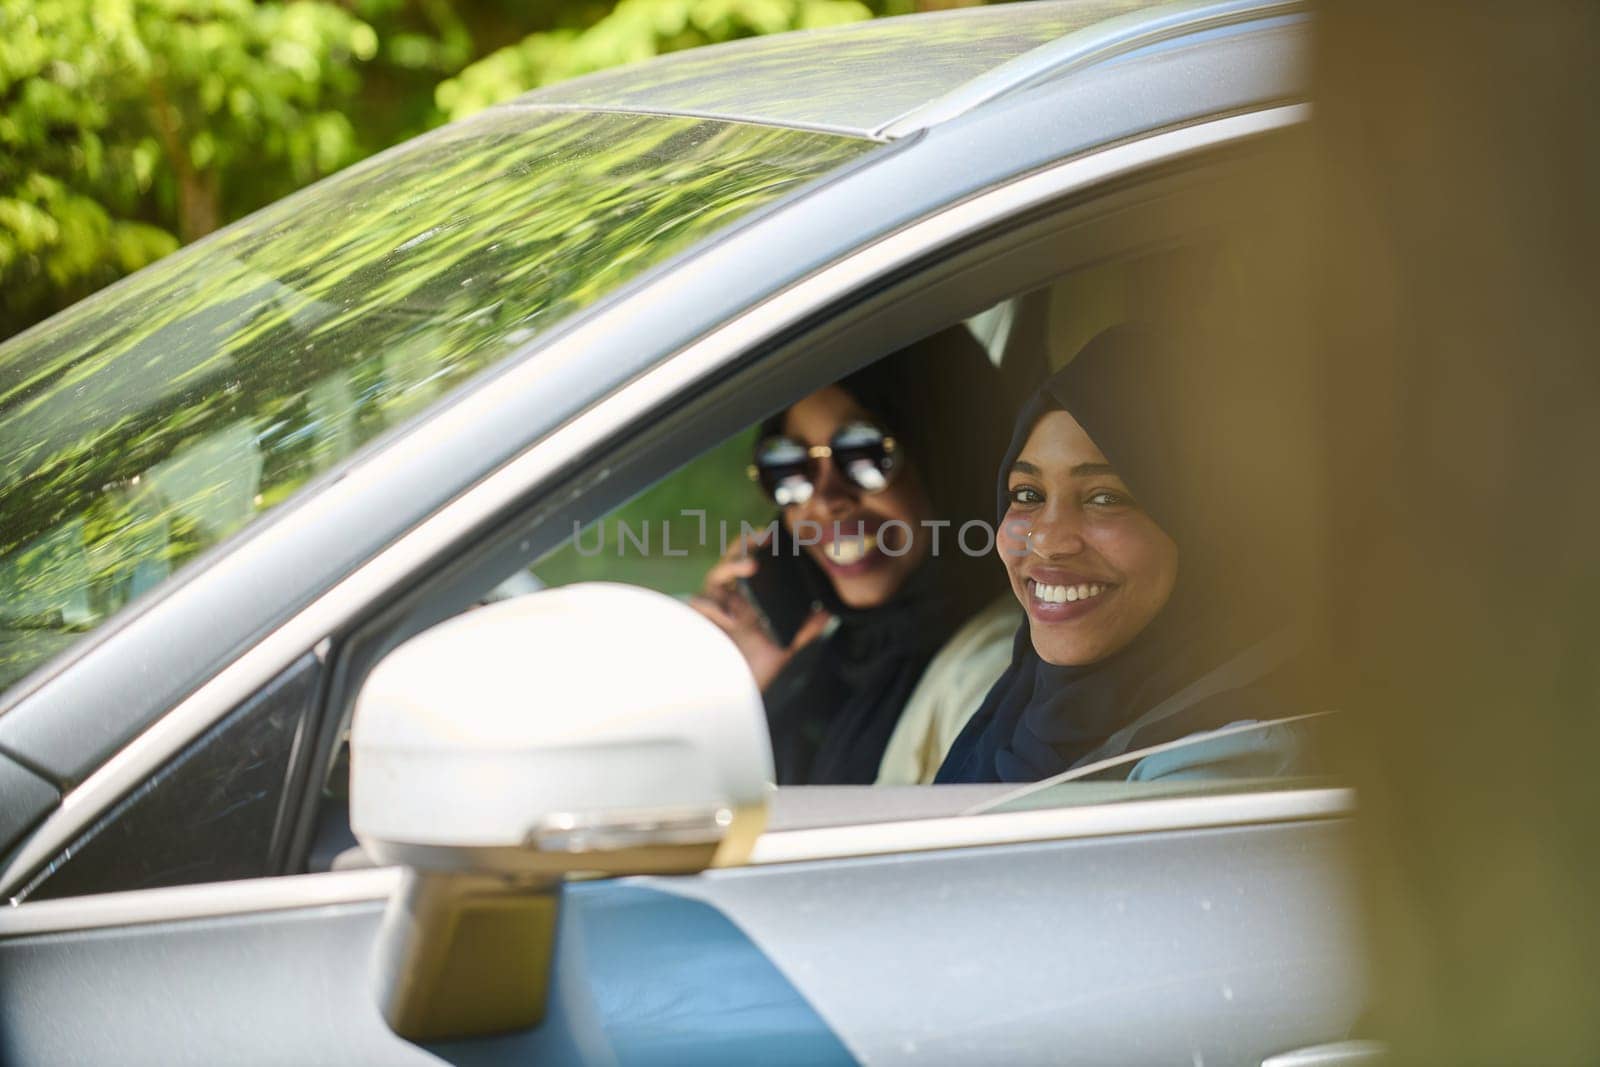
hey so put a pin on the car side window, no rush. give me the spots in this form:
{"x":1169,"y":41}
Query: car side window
{"x":667,"y":537}
{"x":658,"y":539}
{"x":215,"y":813}
{"x":900,"y":457}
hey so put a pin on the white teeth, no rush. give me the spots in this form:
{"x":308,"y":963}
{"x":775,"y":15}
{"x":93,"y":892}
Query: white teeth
{"x":1065,"y":594}
{"x":850,"y":550}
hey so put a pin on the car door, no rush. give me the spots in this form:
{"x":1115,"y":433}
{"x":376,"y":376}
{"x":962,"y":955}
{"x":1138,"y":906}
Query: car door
{"x":1205,"y":929}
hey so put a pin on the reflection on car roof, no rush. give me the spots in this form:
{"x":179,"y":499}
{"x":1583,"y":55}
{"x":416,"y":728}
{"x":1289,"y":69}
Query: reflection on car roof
{"x":854,"y":79}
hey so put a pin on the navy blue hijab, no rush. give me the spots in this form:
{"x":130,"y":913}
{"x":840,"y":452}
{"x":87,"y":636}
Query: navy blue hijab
{"x":1129,"y":394}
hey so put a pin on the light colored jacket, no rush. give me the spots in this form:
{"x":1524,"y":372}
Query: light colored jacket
{"x":949,"y":692}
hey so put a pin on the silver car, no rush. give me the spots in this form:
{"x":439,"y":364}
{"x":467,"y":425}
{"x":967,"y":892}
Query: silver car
{"x":259,"y":484}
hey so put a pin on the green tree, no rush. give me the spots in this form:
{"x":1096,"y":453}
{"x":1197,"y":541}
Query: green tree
{"x":129,"y":127}
{"x":124,"y":125}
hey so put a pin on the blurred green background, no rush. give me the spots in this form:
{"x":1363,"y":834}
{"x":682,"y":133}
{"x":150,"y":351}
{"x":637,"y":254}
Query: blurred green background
{"x":609,"y":549}
{"x":130,"y":127}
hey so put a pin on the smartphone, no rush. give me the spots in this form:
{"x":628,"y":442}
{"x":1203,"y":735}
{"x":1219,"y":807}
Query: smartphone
{"x":781,"y":590}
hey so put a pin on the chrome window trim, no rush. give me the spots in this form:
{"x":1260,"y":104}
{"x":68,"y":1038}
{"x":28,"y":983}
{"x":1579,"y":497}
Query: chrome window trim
{"x":138,"y":907}
{"x":344,"y":601}
{"x":1051,"y":824}
{"x":215,"y":900}
{"x":1352,"y":1053}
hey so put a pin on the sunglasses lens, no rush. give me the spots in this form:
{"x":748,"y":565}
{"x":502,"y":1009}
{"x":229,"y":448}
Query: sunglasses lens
{"x":863,"y":456}
{"x":788,"y":487}
{"x":781,"y":470}
{"x":860,"y":451}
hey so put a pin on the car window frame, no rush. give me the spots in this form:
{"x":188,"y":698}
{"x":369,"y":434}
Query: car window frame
{"x":1017,"y":253}
{"x":437,"y":567}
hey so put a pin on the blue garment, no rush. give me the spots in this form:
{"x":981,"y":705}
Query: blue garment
{"x":1275,"y":750}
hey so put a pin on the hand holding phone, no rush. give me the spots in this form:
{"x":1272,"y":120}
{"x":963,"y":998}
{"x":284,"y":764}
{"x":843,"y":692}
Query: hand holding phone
{"x":780,"y":593}
{"x":761,"y":598}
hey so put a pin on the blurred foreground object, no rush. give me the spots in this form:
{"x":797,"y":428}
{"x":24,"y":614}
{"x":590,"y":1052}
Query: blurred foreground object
{"x":1459,"y":171}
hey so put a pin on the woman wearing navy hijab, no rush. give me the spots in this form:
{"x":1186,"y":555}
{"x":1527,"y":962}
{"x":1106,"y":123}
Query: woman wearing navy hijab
{"x":1147,"y":619}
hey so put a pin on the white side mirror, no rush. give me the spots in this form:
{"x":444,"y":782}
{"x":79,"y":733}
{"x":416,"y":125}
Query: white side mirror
{"x":596,"y":728}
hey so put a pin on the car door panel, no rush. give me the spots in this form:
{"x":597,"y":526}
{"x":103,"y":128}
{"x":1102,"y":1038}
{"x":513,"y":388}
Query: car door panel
{"x":651,"y":978}
{"x":1202,"y":946}
{"x":642,"y":976}
{"x":1214,"y":946}
{"x":25,"y":798}
{"x":281,"y":987}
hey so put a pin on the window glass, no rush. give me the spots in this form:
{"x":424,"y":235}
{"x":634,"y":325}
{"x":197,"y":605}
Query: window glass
{"x":153,"y":420}
{"x":1186,"y":494}
{"x":900,"y":458}
{"x":658,"y":539}
{"x":1247,"y":758}
{"x":1219,"y":666}
{"x":210,"y":815}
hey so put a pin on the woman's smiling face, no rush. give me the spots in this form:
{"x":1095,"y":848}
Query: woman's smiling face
{"x":862,"y":572}
{"x":1089,"y":565}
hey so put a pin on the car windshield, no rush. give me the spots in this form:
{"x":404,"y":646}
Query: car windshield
{"x":148,"y":423}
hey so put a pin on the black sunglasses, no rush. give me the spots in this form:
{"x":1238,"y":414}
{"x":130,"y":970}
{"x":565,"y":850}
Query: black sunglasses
{"x":787,"y":469}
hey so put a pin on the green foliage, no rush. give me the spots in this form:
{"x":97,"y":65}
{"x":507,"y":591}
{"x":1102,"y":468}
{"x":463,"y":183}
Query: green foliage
{"x":128,"y":125}
{"x":58,"y":244}
{"x":635,"y":30}
{"x":680,"y":548}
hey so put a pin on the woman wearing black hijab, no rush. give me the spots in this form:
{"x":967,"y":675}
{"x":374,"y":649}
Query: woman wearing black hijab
{"x":1127,"y":533}
{"x":884,"y":602}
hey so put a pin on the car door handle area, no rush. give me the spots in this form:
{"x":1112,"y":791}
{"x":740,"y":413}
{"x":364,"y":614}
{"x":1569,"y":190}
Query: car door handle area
{"x":1333,"y":1054}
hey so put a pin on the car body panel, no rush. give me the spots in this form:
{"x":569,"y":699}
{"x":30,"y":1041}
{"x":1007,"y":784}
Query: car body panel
{"x":642,"y":976}
{"x":25,"y":798}
{"x":855,"y":78}
{"x":1203,"y":946}
{"x":1214,"y":946}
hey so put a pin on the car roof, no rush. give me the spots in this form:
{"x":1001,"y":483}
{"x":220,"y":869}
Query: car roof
{"x":877,"y":79}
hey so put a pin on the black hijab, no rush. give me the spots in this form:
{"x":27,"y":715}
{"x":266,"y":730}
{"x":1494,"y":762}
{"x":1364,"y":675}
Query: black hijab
{"x":1151,"y":417}
{"x":833,"y":707}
